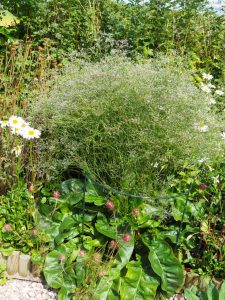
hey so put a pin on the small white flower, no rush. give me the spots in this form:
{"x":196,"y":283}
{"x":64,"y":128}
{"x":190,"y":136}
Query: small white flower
{"x":15,"y":122}
{"x":212,"y":101}
{"x":16,"y":130}
{"x":205,"y":88}
{"x":211,"y":86}
{"x":216,"y":179}
{"x":31,"y":133}
{"x":4,"y":123}
{"x":207,"y":76}
{"x":202,"y":160}
{"x":219,"y":92}
{"x":17,"y":150}
{"x":223,"y":135}
{"x":203,"y":128}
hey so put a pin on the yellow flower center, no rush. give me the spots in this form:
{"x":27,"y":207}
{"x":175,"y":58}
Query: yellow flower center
{"x":15,"y":122}
{"x":31,"y":132}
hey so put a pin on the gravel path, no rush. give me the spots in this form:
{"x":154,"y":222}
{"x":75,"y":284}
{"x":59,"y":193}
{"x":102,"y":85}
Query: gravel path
{"x":16,"y":289}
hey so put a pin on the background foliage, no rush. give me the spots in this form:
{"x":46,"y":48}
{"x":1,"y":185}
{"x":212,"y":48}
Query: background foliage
{"x":98,"y":26}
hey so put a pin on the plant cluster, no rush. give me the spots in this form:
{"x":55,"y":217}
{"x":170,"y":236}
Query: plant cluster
{"x":116,"y":248}
{"x":128,"y":125}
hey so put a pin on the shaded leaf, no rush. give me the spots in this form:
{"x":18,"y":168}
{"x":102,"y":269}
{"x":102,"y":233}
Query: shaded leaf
{"x":104,"y":228}
{"x":222,"y":292}
{"x":190,"y":295}
{"x":137,"y":285}
{"x":164,"y":264}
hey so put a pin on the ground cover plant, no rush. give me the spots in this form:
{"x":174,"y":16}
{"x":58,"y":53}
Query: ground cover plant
{"x":114,"y":250}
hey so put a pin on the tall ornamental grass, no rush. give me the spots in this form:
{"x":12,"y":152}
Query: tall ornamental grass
{"x":128,"y":125}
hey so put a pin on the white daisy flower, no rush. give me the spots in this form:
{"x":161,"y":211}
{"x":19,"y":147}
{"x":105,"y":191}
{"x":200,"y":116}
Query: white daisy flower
{"x":4,"y":123}
{"x":31,"y":133}
{"x":207,"y":76}
{"x":219,"y":92}
{"x":16,"y":130}
{"x":205,"y":88}
{"x":15,"y":122}
{"x":17,"y":150}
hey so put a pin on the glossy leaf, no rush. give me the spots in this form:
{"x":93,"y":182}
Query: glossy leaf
{"x":72,"y":191}
{"x":103,"y":290}
{"x":92,"y":196}
{"x":57,"y":273}
{"x":137,"y":285}
{"x":164,"y":264}
{"x":64,"y":294}
{"x":68,"y":229}
{"x":53,"y":270}
{"x":211,"y":294}
{"x":122,"y":257}
{"x":106,"y":288}
{"x":190,"y":295}
{"x":114,"y":293}
{"x":104,"y":228}
{"x":222,"y":292}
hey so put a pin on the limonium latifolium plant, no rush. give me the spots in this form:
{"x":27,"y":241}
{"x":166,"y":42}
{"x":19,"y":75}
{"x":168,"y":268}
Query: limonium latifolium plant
{"x":16,"y":149}
{"x":131,"y":126}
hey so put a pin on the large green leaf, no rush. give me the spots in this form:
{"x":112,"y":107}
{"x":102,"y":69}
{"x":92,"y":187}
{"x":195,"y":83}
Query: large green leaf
{"x":144,"y":219}
{"x":114,"y":293}
{"x":211,"y":294}
{"x":53,"y":270}
{"x":7,"y":19}
{"x":137,"y":285}
{"x":164,"y":264}
{"x":92,"y":196}
{"x":68,"y":229}
{"x":190,"y":295}
{"x":106,"y":288}
{"x":122,"y":257}
{"x":72,"y":191}
{"x":64,"y":294}
{"x":222,"y":292}
{"x":103,"y":289}
{"x":57,"y":273}
{"x":104,"y":228}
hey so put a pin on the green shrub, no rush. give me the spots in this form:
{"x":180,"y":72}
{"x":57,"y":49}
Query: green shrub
{"x":128,"y":125}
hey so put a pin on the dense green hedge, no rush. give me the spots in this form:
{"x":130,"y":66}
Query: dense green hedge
{"x":98,"y":26}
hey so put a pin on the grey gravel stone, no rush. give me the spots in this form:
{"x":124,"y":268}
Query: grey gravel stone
{"x":15,"y":289}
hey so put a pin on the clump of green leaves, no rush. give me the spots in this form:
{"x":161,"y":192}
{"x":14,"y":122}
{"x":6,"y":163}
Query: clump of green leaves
{"x":18,"y":226}
{"x":105,"y":252}
{"x":129,"y":125}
